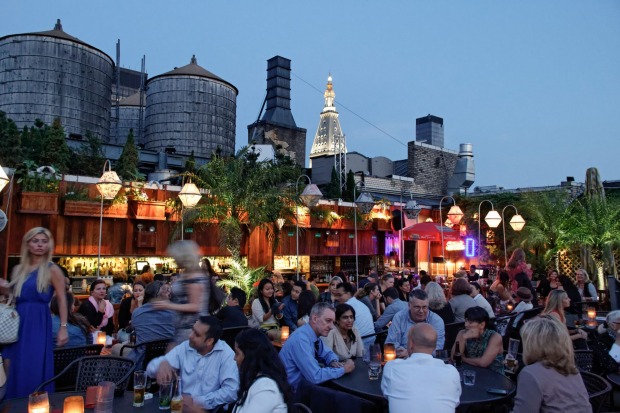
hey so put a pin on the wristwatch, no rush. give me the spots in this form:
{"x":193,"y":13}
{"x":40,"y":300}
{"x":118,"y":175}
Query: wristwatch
{"x":63,"y":324}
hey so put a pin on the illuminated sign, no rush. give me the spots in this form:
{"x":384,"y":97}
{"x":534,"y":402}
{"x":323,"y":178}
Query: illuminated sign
{"x":470,"y":247}
{"x":455,"y":246}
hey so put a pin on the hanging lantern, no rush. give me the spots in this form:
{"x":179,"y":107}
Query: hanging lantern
{"x":517,"y":222}
{"x":455,"y":214}
{"x":493,"y":219}
{"x":311,"y":195}
{"x":109,"y":184}
{"x":189,"y":195}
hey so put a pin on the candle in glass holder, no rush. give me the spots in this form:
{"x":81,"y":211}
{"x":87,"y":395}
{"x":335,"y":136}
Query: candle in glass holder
{"x":389,"y":352}
{"x":38,"y":402}
{"x":74,"y":404}
{"x":284,"y":333}
{"x":101,"y":337}
{"x":591,"y":313}
{"x":509,"y":307}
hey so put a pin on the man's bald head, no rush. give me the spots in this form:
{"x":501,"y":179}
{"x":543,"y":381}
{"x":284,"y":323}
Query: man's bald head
{"x":422,"y":338}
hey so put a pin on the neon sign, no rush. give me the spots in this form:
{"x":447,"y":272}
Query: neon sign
{"x":470,"y":247}
{"x":455,"y":246}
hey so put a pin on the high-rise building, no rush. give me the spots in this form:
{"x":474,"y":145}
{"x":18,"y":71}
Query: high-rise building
{"x":429,"y":130}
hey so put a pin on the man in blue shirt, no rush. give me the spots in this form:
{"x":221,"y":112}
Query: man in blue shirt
{"x":417,"y":312}
{"x":205,"y":364}
{"x":303,"y":351}
{"x":289,"y":312}
{"x":394,"y":305}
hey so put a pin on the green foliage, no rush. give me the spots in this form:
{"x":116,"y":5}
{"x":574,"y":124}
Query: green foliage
{"x":242,"y":277}
{"x":89,"y":159}
{"x":32,"y":181}
{"x":333,"y":189}
{"x":54,"y":151}
{"x":127,"y":165}
{"x":77,"y":193}
{"x":190,"y":164}
{"x":243,"y":194}
{"x":11,"y":148}
{"x":348,"y":193}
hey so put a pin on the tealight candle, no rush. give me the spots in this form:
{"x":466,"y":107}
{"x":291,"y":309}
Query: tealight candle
{"x":591,"y":313}
{"x":38,"y":402}
{"x":74,"y":404}
{"x":509,"y":307}
{"x":284,"y":333}
{"x":389,"y":352}
{"x":101,"y":337}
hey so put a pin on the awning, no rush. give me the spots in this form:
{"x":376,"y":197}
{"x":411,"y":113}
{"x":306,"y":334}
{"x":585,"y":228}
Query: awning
{"x":430,"y":231}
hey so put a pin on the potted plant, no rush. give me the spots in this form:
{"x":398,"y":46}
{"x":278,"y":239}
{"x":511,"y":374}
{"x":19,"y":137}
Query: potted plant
{"x":141,"y":208}
{"x":242,"y":277}
{"x":77,"y":202}
{"x":39,"y":189}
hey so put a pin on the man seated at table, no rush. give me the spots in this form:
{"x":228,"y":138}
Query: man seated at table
{"x":290,"y":302}
{"x":394,"y":305}
{"x":304,"y":350}
{"x":231,"y":314}
{"x":417,"y":312}
{"x":432,"y":386}
{"x":363,"y":317}
{"x":206,"y":365}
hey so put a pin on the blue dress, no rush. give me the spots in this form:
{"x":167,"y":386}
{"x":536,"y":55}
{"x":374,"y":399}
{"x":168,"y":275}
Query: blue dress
{"x":32,"y":357}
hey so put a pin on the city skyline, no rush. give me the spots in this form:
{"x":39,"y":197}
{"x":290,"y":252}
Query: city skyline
{"x":531,"y":86}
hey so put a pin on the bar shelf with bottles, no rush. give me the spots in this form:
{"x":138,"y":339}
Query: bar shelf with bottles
{"x":285,"y":264}
{"x":322,"y":268}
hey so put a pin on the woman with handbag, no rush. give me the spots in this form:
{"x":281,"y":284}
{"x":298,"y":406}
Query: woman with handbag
{"x":30,"y":361}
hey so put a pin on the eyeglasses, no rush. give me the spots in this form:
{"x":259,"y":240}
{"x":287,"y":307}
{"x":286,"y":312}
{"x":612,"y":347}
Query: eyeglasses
{"x":420,"y":308}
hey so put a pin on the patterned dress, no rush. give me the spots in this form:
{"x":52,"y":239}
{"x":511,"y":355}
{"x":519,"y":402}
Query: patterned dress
{"x":475,"y":348}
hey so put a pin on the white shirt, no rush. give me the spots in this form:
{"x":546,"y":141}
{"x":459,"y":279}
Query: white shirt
{"x":263,"y":397}
{"x":363,"y":319}
{"x":482,"y":302}
{"x":431,"y":385}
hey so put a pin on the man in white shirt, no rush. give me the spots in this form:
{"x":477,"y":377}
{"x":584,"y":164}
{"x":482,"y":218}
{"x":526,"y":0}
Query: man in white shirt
{"x":480,"y":300}
{"x":363,"y":318}
{"x":205,"y":364}
{"x":432,"y":386}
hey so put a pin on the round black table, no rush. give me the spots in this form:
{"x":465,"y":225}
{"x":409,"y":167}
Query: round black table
{"x":57,"y":400}
{"x":614,"y":379}
{"x":357,"y":383}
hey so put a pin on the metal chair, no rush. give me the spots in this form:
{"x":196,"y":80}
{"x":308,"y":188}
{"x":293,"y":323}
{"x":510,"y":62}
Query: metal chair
{"x":302,"y":408}
{"x":92,"y":370}
{"x":64,"y":356}
{"x":152,"y":349}
{"x":584,"y":359}
{"x":598,"y":389}
{"x":452,"y":330}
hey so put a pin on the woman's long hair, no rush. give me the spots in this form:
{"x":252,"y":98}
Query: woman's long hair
{"x":43,"y":272}
{"x":340,"y":310}
{"x":363,"y":292}
{"x":546,"y":340}
{"x":261,"y":299}
{"x":305,"y":303}
{"x":504,"y":279}
{"x":72,"y":318}
{"x":260,"y":360}
{"x":555,"y":304}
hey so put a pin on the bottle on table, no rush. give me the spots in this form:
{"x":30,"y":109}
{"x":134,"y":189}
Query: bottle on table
{"x":176,"y":405}
{"x":458,"y":357}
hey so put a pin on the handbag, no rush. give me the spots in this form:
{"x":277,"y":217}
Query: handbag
{"x":9,"y":323}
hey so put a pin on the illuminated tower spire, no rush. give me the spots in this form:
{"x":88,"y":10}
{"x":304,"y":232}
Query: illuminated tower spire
{"x":329,"y":139}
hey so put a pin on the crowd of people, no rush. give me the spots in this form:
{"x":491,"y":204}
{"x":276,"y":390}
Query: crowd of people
{"x":328,"y":331}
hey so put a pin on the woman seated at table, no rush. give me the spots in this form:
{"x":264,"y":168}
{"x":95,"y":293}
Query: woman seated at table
{"x":263,"y":386}
{"x":129,"y":304}
{"x":550,"y":381}
{"x":546,"y":285}
{"x":587,"y":291}
{"x":606,"y":347}
{"x":265,"y":309}
{"x":501,"y":288}
{"x":557,"y":301}
{"x":370,"y":296}
{"x":479,"y":345}
{"x":327,"y":297}
{"x":403,"y":285}
{"x":78,"y":327}
{"x":98,"y":311}
{"x":461,"y":301}
{"x":437,"y":302}
{"x":345,"y":339}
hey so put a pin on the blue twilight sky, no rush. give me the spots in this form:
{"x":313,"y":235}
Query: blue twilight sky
{"x":533,"y":85}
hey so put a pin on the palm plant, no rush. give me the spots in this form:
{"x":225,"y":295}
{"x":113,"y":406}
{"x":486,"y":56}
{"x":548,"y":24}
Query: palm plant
{"x":242,"y":277}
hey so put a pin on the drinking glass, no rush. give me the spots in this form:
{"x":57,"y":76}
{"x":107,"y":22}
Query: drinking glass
{"x":374,"y":369}
{"x":443,"y":355}
{"x":74,"y":404}
{"x":105,"y":397}
{"x":375,"y":354}
{"x":139,"y":386}
{"x":469,"y":377}
{"x":513,"y":346}
{"x":165,"y":395}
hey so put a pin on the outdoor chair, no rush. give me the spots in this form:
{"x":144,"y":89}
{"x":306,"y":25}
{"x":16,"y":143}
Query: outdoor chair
{"x":505,"y":326}
{"x":302,"y":408}
{"x":64,"y":356}
{"x":598,"y":389}
{"x":452,"y":331}
{"x":584,"y":359}
{"x":149,"y":349}
{"x":92,"y":370}
{"x":229,"y":334}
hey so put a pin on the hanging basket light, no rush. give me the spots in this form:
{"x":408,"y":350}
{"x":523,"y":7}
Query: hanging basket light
{"x":189,"y":195}
{"x":4,"y":179}
{"x":365,"y":203}
{"x":311,"y":195}
{"x":109,"y":184}
{"x":280,"y":222}
{"x":517,"y":222}
{"x":455,"y":214}
{"x":493,"y":219}
{"x":412,"y":209}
